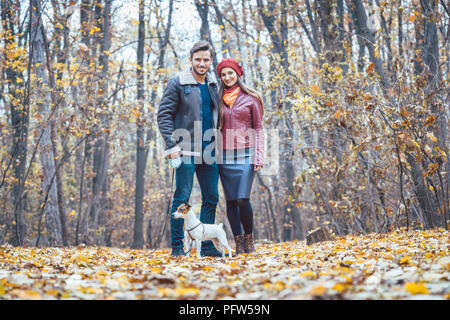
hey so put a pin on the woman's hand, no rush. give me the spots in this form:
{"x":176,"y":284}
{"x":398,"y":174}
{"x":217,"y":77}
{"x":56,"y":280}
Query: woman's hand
{"x":257,"y":168}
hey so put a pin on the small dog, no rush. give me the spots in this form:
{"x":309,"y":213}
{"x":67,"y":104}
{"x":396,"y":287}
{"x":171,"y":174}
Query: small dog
{"x":194,"y":230}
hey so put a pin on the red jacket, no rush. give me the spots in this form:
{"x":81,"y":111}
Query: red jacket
{"x":242,"y":126}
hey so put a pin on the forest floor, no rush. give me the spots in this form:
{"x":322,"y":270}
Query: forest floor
{"x":396,"y":265}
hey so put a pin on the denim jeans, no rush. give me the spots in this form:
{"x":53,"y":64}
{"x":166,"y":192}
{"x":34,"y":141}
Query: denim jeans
{"x":208,"y":178}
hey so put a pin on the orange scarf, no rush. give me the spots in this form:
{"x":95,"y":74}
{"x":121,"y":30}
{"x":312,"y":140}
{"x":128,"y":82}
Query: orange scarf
{"x":230,"y":98}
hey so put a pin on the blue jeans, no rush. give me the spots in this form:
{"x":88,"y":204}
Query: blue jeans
{"x":208,"y":178}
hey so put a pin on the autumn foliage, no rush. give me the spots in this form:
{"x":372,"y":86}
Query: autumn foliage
{"x":396,"y":265}
{"x":357,"y":91}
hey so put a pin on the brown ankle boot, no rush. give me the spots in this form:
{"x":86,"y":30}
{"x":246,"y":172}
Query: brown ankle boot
{"x":240,"y":244}
{"x":249,"y":245}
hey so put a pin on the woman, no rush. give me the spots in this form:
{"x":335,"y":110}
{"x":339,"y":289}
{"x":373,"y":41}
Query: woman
{"x":240,"y":122}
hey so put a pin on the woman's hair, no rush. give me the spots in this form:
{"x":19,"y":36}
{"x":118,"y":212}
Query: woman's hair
{"x":245,"y":89}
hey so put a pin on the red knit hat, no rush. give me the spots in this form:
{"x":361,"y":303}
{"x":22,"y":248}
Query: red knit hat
{"x":230,"y":63}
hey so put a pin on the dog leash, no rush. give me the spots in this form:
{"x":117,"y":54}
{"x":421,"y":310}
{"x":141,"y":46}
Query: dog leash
{"x":203,"y":234}
{"x":194,"y":228}
{"x":168,"y":205}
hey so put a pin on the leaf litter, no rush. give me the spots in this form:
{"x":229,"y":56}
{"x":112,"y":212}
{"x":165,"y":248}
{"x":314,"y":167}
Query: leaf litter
{"x":396,"y":265}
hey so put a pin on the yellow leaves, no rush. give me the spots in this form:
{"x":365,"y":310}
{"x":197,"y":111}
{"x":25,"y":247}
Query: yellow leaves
{"x":367,"y":97}
{"x":94,"y":29}
{"x":344,"y":268}
{"x":374,"y":245}
{"x":309,"y":274}
{"x":377,"y":51}
{"x":80,"y":259}
{"x":26,"y":294}
{"x":388,"y":256}
{"x":416,"y":288}
{"x":156,"y":270}
{"x":430,"y":120}
{"x":431,"y":136}
{"x":91,"y":290}
{"x":339,"y":287}
{"x":208,"y":268}
{"x":52,"y":292}
{"x":429,"y":255}
{"x":224,"y":291}
{"x":102,"y":272}
{"x":414,"y":15}
{"x":432,"y":168}
{"x":178,"y":292}
{"x":318,"y":291}
{"x":315,"y":89}
{"x":277,"y":286}
{"x":370,"y":68}
{"x":187,"y":291}
{"x":338,"y":114}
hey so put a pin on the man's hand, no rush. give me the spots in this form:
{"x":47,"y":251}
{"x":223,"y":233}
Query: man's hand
{"x":174,"y":155}
{"x":257,"y":168}
{"x":175,"y":160}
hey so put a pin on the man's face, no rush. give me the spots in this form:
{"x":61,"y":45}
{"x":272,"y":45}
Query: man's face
{"x":201,"y":61}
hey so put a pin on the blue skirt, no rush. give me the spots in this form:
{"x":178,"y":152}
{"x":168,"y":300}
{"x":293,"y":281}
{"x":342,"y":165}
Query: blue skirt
{"x":237,"y":173}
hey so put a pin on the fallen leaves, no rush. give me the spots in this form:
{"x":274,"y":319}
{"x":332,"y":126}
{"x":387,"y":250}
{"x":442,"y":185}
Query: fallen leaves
{"x":416,"y":288}
{"x":398,"y":265}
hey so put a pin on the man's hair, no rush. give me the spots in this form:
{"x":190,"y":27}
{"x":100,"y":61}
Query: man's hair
{"x":202,"y":45}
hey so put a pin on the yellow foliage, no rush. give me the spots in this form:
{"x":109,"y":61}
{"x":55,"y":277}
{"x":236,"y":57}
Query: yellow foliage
{"x":416,"y":288}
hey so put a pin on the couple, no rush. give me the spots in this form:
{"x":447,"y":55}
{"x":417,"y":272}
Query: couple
{"x":234,"y":113}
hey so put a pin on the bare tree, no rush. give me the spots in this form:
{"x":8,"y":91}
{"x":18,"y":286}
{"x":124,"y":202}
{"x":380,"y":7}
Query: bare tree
{"x":19,"y":122}
{"x":138,"y":236}
{"x":37,"y":35}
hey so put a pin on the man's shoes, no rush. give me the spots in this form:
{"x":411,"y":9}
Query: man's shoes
{"x":177,"y":252}
{"x":211,"y":253}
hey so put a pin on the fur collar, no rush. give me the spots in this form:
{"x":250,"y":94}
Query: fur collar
{"x":186,"y":77}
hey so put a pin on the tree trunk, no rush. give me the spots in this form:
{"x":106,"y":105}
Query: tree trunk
{"x":205,"y":33}
{"x":101,"y":147}
{"x":138,"y":236}
{"x":226,"y":49}
{"x":19,"y":122}
{"x":52,"y":215}
{"x":369,"y":39}
{"x":430,"y":56}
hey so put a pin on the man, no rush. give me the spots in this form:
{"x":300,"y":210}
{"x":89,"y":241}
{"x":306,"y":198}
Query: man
{"x":190,"y":101}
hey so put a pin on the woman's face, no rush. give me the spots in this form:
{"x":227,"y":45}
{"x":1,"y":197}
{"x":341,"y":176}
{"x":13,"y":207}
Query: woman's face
{"x":228,"y":76}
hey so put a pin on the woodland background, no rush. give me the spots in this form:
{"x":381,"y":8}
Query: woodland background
{"x":357,"y":88}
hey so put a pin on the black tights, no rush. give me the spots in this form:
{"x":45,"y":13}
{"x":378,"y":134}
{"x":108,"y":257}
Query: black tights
{"x":240,"y":211}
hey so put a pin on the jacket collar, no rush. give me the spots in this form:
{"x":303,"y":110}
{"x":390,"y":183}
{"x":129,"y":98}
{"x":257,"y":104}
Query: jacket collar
{"x":186,"y":77}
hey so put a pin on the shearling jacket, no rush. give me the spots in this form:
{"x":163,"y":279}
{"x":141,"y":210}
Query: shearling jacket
{"x":242,"y":126}
{"x":181,"y":108}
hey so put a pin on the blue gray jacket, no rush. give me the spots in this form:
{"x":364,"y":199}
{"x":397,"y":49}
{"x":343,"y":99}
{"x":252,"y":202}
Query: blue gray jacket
{"x":180,"y":113}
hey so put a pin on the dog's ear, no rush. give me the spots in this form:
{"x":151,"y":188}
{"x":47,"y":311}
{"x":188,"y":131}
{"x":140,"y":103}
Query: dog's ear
{"x":184,"y":207}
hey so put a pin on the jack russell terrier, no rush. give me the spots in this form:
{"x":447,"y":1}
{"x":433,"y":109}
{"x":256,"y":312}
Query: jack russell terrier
{"x":195,"y":230}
